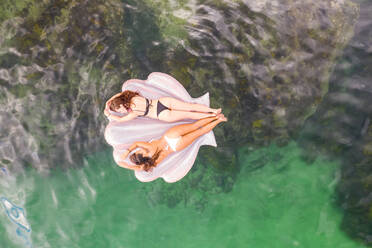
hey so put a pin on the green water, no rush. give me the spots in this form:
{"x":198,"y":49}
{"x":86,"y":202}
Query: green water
{"x":285,"y":203}
{"x":283,"y":71}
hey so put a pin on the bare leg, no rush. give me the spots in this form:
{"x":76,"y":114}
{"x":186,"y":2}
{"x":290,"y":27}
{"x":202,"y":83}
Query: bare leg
{"x":187,"y":139}
{"x":173,"y":103}
{"x":171,"y":115}
{"x":183,"y":129}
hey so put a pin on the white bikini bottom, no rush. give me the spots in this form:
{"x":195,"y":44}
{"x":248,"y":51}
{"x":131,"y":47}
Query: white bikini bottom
{"x":172,"y":142}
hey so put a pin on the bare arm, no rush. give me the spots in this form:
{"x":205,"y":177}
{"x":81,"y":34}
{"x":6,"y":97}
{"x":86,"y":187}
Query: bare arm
{"x":106,"y":111}
{"x":128,"y":117}
{"x":131,"y":167}
{"x":135,"y":145}
{"x":143,"y":145}
{"x":108,"y":103}
{"x":114,"y":96}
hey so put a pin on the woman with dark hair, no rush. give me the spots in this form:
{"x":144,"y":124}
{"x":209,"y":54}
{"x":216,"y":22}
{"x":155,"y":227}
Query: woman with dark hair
{"x":169,"y":107}
{"x":165,"y":109}
{"x":150,"y":154}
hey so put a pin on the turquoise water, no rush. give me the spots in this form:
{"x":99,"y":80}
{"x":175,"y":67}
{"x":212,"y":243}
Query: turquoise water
{"x":286,"y":203}
{"x":293,"y":163}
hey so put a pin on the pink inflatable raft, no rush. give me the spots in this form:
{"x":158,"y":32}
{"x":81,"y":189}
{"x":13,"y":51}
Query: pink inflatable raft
{"x":122,"y":134}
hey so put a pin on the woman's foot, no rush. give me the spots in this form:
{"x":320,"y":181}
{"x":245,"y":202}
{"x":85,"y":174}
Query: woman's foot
{"x":221,"y":117}
{"x":217,"y":111}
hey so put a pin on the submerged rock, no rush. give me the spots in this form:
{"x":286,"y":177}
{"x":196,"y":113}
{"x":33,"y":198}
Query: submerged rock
{"x":341,"y":128}
{"x":202,"y":182}
{"x":58,"y":65}
{"x":266,"y":63}
{"x":355,"y":191}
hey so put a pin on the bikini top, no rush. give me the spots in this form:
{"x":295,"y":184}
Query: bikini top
{"x":148,"y":104}
{"x":147,"y":107}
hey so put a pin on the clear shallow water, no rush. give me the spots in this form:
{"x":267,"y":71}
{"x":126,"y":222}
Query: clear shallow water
{"x":287,"y":203}
{"x":283,"y":71}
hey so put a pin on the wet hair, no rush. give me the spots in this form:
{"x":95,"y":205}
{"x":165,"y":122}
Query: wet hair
{"x":124,"y":98}
{"x":148,"y":162}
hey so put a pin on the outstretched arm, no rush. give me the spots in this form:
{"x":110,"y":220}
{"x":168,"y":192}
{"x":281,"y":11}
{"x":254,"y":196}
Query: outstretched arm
{"x":135,"y":145}
{"x":108,"y":103}
{"x":143,"y":145}
{"x":127,"y":117}
{"x":114,"y":96}
{"x":131,"y":167}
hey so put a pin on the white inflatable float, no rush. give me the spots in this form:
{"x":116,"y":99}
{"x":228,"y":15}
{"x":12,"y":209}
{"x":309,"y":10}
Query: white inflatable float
{"x":121,"y":135}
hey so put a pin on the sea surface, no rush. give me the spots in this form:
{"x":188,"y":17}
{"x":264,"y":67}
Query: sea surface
{"x":293,"y":166}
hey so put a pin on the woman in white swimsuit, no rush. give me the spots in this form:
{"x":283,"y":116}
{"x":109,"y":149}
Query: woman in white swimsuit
{"x":175,"y":139}
{"x":165,"y":109}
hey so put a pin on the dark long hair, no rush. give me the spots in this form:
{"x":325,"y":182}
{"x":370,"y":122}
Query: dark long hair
{"x":124,"y":98}
{"x":148,"y":162}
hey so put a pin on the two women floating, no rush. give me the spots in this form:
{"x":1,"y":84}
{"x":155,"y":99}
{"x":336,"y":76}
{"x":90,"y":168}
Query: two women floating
{"x":156,"y":128}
